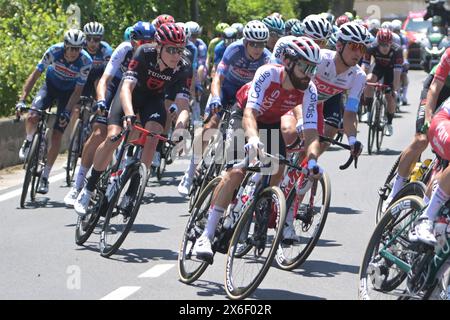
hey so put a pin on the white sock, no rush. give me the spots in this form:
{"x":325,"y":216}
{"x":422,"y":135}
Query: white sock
{"x":46,"y":171}
{"x":438,"y":199}
{"x":192,"y":166}
{"x":398,"y":184}
{"x":405,"y":91}
{"x":215,"y":213}
{"x":29,"y":137}
{"x":79,"y":182}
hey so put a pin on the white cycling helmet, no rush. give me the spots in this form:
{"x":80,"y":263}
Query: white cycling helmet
{"x":303,"y":47}
{"x":317,"y":27}
{"x":94,"y":29}
{"x":194,"y":27}
{"x":74,"y":38}
{"x":354,"y":32}
{"x":386,"y":25}
{"x":187,"y":31}
{"x":396,"y":25}
{"x":374,"y":24}
{"x":256,"y":31}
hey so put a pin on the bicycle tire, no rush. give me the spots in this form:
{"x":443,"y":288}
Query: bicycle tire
{"x":386,"y":189}
{"x":372,"y":131}
{"x":380,"y":124}
{"x":191,"y":233}
{"x":389,"y":220}
{"x":241,"y":292}
{"x":30,"y":169}
{"x":106,"y":250}
{"x":300,"y":258}
{"x":73,"y":152}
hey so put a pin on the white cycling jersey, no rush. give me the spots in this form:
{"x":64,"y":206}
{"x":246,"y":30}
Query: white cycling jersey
{"x":118,"y":64}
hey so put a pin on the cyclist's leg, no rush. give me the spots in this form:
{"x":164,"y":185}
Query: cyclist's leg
{"x":332,"y":117}
{"x":288,"y":128}
{"x":405,"y":83}
{"x":274,"y":144}
{"x":369,"y":90}
{"x":391,"y":104}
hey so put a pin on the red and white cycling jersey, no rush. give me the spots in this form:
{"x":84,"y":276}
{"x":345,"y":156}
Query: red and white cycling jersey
{"x":443,"y":69}
{"x":328,"y":83}
{"x":266,"y":95}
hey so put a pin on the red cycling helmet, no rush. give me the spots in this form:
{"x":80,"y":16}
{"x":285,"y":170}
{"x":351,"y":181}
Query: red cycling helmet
{"x":384,"y":36}
{"x":163,"y":18}
{"x":341,"y":20}
{"x":170,"y":34}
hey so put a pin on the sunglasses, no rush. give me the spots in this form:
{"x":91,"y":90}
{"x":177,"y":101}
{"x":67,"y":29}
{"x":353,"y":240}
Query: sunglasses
{"x":71,"y":48}
{"x":357,"y":46}
{"x":384,"y":44}
{"x":257,"y":44}
{"x":174,"y":50}
{"x":308,"y":69}
{"x":95,"y":39}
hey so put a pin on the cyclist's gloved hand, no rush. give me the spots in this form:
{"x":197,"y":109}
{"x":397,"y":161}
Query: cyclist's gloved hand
{"x":100,"y":105}
{"x":64,"y":119}
{"x":356,"y":146}
{"x":315,"y":171}
{"x":214,"y":105}
{"x":199,"y":88}
{"x":299,"y":126}
{"x":128,"y":121}
{"x":252,"y":147}
{"x":21,"y":106}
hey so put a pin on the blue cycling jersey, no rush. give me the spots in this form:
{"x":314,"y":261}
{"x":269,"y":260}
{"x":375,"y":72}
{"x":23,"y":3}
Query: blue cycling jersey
{"x":62,"y":74}
{"x":102,"y":56}
{"x":238,"y":69}
{"x":202,"y":50}
{"x":219,"y":50}
{"x":193,"y":49}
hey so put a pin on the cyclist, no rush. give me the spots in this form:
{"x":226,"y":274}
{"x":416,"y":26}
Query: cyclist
{"x":341,"y":20}
{"x":396,"y":28}
{"x":151,"y":70}
{"x":100,"y":52}
{"x":229,"y":36}
{"x":374,"y":26}
{"x":388,"y":65}
{"x":286,"y":87}
{"x":142,"y":32}
{"x":68,"y":67}
{"x":161,"y":19}
{"x":436,"y":89}
{"x":127,"y":33}
{"x":289,"y":24}
{"x":338,"y":72}
{"x":238,"y":66}
{"x":240,"y":28}
{"x":317,"y":29}
{"x":276,"y":28}
{"x":212,"y":45}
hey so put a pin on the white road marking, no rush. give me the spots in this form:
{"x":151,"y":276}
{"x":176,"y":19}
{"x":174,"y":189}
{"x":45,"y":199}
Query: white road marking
{"x":156,"y":271}
{"x":18,"y":192}
{"x":121,"y":293}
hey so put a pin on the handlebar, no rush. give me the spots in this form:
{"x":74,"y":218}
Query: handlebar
{"x":146,"y":133}
{"x":40,"y":112}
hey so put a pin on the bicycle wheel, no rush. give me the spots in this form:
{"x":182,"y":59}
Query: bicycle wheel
{"x":245,"y":272}
{"x":308,"y":221}
{"x":380,"y":278}
{"x":384,"y":191}
{"x":441,"y":291}
{"x":190,"y":268}
{"x":74,"y":151}
{"x":122,"y":209}
{"x":97,"y":208}
{"x":381,"y":107}
{"x":30,"y":169}
{"x":372,"y":130}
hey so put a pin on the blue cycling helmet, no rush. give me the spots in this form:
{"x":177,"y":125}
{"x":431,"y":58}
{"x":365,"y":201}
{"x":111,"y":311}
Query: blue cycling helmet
{"x":289,"y":24}
{"x":127,"y":34}
{"x":331,"y":44}
{"x":298,"y":29}
{"x":274,"y":24}
{"x":143,"y":31}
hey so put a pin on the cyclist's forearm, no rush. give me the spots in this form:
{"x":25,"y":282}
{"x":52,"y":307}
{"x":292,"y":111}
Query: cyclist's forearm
{"x":350,"y":123}
{"x":183,"y":115}
{"x":29,"y":84}
{"x":74,"y":98}
{"x":102,"y":87}
{"x":432,"y":96}
{"x":126,"y":97}
{"x":249,"y":123}
{"x":215,"y":85}
{"x":312,"y":143}
{"x":396,"y":83}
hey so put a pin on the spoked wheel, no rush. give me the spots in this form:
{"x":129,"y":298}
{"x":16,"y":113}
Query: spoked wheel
{"x":30,"y":171}
{"x":74,"y":151}
{"x":380,"y":126}
{"x":384,"y":191}
{"x":123,"y":209}
{"x":189,"y":267}
{"x":308,"y":223}
{"x":244,"y":273}
{"x":380,"y":278}
{"x":372,"y":130}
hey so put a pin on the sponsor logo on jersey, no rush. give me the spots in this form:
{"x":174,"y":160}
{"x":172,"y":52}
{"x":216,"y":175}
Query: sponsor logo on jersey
{"x":258,"y":84}
{"x":325,"y":89}
{"x":61,"y":69}
{"x":155,"y":116}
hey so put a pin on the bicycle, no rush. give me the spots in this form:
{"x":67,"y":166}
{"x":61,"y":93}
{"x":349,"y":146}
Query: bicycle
{"x":37,"y":156}
{"x":377,"y":116}
{"x":307,"y":217}
{"x":80,"y":133}
{"x":391,"y":258}
{"x":125,"y":191}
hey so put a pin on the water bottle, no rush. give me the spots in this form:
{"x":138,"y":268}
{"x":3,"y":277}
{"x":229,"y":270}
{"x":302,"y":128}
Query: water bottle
{"x":416,"y":174}
{"x":112,"y":182}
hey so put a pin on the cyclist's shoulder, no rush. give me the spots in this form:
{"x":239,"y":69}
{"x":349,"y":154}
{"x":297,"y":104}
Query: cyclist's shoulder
{"x":85,"y":57}
{"x":56,"y":49}
{"x":105,"y":47}
{"x":124,"y":47}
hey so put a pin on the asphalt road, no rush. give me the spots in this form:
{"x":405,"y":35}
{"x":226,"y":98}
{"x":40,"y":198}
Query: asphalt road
{"x":40,"y":259}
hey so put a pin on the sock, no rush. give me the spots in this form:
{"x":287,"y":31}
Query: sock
{"x":192,"y":166}
{"x":93,"y":179}
{"x":215,"y":213}
{"x":438,"y":199}
{"x":390,"y":117}
{"x":405,"y":91}
{"x":79,"y":182}
{"x":29,"y":137}
{"x":46,"y":171}
{"x":398,"y":184}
